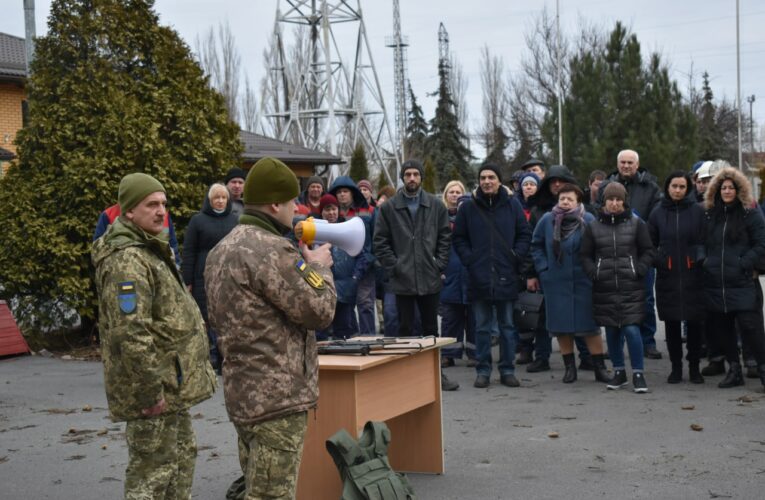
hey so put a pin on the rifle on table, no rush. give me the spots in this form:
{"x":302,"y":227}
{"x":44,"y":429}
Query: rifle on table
{"x":375,"y":346}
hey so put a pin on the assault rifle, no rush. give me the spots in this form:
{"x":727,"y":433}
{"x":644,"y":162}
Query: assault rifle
{"x":375,"y":346}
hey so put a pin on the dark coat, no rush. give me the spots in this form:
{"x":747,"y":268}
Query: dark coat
{"x":455,"y":275}
{"x":735,"y":244}
{"x":616,"y":254}
{"x":567,"y":289}
{"x":677,"y":231}
{"x":492,"y":263}
{"x":204,"y":231}
{"x":344,"y":269}
{"x":644,"y":193}
{"x":360,"y":207}
{"x":413,"y":252}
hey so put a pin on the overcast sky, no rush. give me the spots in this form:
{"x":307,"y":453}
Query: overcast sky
{"x":698,"y":34}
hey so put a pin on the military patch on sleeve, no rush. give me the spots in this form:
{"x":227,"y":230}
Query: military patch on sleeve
{"x":309,"y":275}
{"x":127,"y":297}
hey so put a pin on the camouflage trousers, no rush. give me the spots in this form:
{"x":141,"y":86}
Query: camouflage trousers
{"x":269,"y":453}
{"x":163,"y":453}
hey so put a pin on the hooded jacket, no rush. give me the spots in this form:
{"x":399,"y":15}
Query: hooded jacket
{"x":492,"y":238}
{"x":644,"y":193}
{"x":360,"y":208}
{"x":734,"y":243}
{"x":677,"y":232}
{"x":204,"y":231}
{"x":153,"y":340}
{"x":616,"y":253}
{"x":543,"y":200}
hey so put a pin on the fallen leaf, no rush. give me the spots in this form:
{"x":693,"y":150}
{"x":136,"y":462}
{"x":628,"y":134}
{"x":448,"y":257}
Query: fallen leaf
{"x":3,"y":459}
{"x":87,"y":408}
{"x":103,"y":446}
{"x":102,"y":432}
{"x":746,"y":399}
{"x":197,"y":416}
{"x":697,"y":427}
{"x":75,"y":457}
{"x":688,"y":407}
{"x":553,"y":434}
{"x":59,"y":411}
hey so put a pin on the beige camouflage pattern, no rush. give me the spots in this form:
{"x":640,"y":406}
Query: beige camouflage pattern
{"x":264,"y":311}
{"x":160,"y":350}
{"x":269,"y":453}
{"x":163,"y":453}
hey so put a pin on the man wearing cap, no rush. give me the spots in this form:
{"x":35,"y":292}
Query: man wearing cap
{"x":153,"y":343}
{"x":235,"y":183}
{"x":265,"y":298}
{"x":492,"y":237}
{"x":411,"y":241}
{"x":535,"y":166}
{"x":702,"y":177}
{"x":311,"y":197}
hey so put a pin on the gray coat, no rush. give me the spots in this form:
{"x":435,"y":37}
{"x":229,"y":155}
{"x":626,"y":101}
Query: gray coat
{"x":414,"y":253}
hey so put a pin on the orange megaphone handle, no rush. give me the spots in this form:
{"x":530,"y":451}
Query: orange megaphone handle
{"x":306,"y":230}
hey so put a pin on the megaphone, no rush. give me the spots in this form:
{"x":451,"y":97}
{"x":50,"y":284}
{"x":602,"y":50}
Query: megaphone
{"x":348,"y":236}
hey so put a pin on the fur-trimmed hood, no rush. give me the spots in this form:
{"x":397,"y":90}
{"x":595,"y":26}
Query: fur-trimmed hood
{"x":743,"y":187}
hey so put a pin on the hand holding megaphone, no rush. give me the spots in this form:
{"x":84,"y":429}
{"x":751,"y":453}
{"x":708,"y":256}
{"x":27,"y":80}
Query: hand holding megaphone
{"x":319,"y":255}
{"x":348,"y":236}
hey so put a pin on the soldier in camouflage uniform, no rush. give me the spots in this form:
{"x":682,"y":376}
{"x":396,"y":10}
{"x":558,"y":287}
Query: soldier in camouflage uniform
{"x":264,"y":299}
{"x":153,"y":344}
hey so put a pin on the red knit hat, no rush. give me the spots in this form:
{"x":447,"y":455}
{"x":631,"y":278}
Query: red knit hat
{"x":326,"y":200}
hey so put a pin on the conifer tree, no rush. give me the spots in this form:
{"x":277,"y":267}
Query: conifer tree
{"x":416,"y":130}
{"x":359,"y":166}
{"x":111,"y":92}
{"x":430,"y":180}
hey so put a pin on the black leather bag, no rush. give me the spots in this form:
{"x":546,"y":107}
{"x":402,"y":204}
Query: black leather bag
{"x":529,"y":312}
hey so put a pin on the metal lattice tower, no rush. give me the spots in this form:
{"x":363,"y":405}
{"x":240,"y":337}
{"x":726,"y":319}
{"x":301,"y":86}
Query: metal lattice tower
{"x":311,"y":97}
{"x":399,"y":44}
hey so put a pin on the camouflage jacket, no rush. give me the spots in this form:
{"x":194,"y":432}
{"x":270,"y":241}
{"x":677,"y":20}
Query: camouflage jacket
{"x":153,"y":339}
{"x":263,"y":301}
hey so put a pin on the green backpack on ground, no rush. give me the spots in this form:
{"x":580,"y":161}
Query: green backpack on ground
{"x":364,"y":467}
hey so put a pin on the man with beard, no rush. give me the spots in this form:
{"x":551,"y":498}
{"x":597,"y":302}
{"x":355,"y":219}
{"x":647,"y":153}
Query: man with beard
{"x":411,"y":241}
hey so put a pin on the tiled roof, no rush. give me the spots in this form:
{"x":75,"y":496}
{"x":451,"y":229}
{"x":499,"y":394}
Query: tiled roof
{"x":257,"y":146}
{"x":12,"y":56}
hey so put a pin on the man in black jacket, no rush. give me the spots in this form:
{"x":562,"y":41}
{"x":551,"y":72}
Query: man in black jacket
{"x":411,"y":241}
{"x":644,"y":195}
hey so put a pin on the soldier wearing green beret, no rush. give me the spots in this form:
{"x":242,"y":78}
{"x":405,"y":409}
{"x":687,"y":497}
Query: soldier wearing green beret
{"x":153,"y":344}
{"x":265,"y":298}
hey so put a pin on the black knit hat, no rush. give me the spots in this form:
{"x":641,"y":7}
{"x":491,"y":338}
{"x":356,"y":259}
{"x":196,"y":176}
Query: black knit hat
{"x":490,"y":166}
{"x":531,"y":163}
{"x":410,"y":164}
{"x":235,"y":173}
{"x":315,"y":180}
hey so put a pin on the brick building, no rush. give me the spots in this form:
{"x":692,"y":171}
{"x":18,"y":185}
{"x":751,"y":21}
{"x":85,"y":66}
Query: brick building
{"x":12,"y":95}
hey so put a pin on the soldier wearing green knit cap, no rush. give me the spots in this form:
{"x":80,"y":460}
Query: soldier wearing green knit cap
{"x":153,"y":344}
{"x":266,"y":298}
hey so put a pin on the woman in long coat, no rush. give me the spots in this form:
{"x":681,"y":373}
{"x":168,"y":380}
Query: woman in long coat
{"x":677,"y":231}
{"x":204,"y":231}
{"x":568,"y":291}
{"x":735,"y":249}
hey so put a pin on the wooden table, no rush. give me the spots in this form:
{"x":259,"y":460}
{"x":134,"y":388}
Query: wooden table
{"x":404,"y":391}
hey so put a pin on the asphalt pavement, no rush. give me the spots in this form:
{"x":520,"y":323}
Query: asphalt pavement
{"x":543,"y":440}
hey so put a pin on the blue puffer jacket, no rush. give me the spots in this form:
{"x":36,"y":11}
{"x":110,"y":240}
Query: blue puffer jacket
{"x":344,"y":268}
{"x":492,"y":262}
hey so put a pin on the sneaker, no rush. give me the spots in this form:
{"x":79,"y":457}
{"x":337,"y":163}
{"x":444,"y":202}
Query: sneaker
{"x":509,"y":380}
{"x":481,"y":382}
{"x":538,"y":365}
{"x":652,"y":353}
{"x":638,"y":383}
{"x":448,"y":385}
{"x":619,"y":380}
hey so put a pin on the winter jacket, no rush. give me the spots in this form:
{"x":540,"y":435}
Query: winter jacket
{"x":492,"y":238}
{"x":455,"y":275}
{"x":153,"y":340}
{"x":204,"y":231}
{"x":644,"y":193}
{"x":677,"y":232}
{"x":567,"y":289}
{"x":360,"y":208}
{"x":344,"y":269}
{"x":543,"y":200}
{"x":616,"y":254}
{"x":414,"y":252}
{"x":264,"y":301}
{"x":734,"y":245}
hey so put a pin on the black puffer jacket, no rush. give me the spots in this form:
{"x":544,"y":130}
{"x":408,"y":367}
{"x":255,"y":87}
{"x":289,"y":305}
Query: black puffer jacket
{"x":644,"y":193}
{"x":677,"y":230}
{"x":735,"y":245}
{"x":616,"y":254}
{"x":204,"y":231}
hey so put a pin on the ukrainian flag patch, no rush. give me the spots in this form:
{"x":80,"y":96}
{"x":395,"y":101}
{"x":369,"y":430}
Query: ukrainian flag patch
{"x":311,"y":277}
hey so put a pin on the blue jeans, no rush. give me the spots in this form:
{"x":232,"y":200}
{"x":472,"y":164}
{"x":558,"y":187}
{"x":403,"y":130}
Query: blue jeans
{"x":457,"y":321}
{"x":615,"y":337}
{"x":390,"y":317}
{"x":365,"y":304}
{"x":483,"y":310}
{"x":648,"y":328}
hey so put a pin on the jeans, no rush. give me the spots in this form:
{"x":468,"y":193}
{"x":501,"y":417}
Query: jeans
{"x":648,"y":328}
{"x":615,"y":337}
{"x":458,"y":321}
{"x":408,"y":305}
{"x":483,"y":310}
{"x":365,"y":304}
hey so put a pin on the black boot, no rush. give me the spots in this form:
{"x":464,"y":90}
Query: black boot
{"x":570,"y":364}
{"x":733,"y":378}
{"x":676,"y":375}
{"x":601,"y":372}
{"x":713,"y":368}
{"x":694,"y":375}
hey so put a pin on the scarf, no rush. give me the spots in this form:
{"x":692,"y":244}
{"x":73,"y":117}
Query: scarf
{"x":565,"y":223}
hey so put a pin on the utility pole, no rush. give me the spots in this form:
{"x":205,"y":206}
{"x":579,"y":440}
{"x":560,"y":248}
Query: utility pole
{"x":30,"y":32}
{"x":738,"y":88}
{"x":560,"y":93}
{"x":750,"y":100}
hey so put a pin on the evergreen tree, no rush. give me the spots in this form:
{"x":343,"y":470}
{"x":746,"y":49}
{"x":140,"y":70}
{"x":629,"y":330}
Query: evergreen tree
{"x":111,"y":92}
{"x":445,"y":144}
{"x":499,"y":143}
{"x":430,"y":177}
{"x":416,"y":130}
{"x":359,"y":168}
{"x":710,"y":144}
